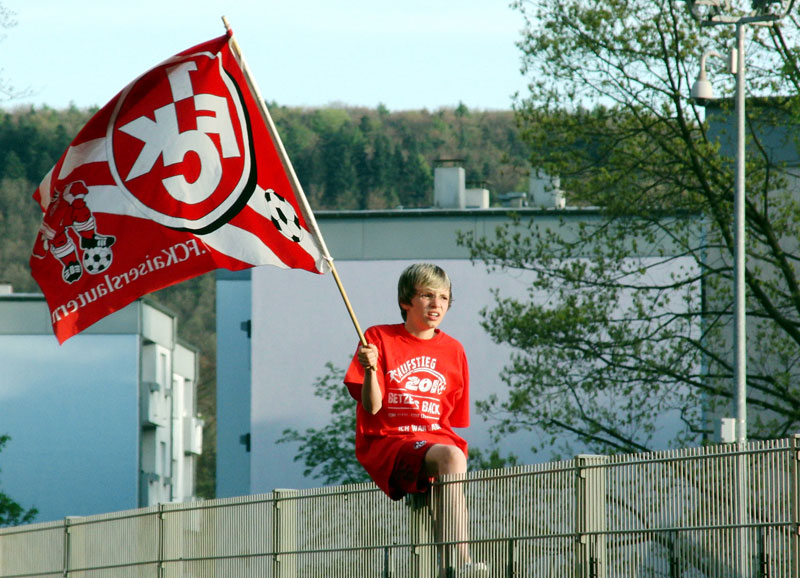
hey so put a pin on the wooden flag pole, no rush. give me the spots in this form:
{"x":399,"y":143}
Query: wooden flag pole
{"x":287,"y":165}
{"x":347,"y":302}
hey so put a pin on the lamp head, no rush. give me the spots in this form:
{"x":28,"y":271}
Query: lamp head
{"x":702,"y":91}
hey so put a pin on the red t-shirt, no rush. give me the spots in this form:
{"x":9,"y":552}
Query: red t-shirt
{"x":425,"y":385}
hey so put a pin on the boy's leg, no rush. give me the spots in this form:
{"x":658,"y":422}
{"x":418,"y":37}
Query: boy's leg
{"x":441,"y":460}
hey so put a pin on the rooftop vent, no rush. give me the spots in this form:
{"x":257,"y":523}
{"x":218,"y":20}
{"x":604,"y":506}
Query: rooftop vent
{"x":514,"y":199}
{"x":476,"y":195}
{"x":545,"y":191}
{"x":449,"y":190}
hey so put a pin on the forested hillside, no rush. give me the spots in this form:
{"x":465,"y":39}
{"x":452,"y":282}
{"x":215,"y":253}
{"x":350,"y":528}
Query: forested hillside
{"x":345,"y":158}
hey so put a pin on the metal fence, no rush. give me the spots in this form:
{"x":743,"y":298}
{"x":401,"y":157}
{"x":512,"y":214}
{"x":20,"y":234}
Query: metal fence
{"x":703,"y":512}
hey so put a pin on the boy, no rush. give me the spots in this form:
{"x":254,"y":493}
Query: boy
{"x":411,"y":383}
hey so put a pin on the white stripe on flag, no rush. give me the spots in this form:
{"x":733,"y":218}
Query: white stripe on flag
{"x":92,"y":151}
{"x":109,"y":199}
{"x":242,"y":245}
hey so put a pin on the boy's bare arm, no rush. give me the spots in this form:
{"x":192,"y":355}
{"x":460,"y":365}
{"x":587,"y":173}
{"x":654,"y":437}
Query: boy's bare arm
{"x":371,"y":395}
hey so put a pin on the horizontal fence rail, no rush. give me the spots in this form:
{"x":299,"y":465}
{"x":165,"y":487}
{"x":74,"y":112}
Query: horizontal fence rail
{"x":719,"y":511}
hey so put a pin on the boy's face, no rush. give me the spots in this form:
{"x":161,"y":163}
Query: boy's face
{"x":427,"y":308}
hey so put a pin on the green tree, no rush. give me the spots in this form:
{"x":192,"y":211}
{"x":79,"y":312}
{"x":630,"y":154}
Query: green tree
{"x":416,"y":177}
{"x":608,"y":340}
{"x":11,"y":513}
{"x":340,"y":177}
{"x":491,"y":459}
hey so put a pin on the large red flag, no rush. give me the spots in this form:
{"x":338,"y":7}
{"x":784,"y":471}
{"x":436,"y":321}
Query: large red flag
{"x":179,"y":174}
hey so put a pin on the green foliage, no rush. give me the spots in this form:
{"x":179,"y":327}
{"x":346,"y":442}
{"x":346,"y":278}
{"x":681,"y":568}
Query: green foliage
{"x":353,"y":158}
{"x":629,"y":315}
{"x":11,"y":513}
{"x":492,"y":459}
{"x":19,"y":221}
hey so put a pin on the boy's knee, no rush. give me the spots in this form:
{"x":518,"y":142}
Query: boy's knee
{"x":444,"y":459}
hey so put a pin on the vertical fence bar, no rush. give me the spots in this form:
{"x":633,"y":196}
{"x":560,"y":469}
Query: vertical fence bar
{"x":386,"y":563}
{"x":510,"y":558}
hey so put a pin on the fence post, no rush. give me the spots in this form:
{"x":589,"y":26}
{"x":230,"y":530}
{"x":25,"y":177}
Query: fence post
{"x":794,"y":490}
{"x":72,"y":547}
{"x":284,"y":534}
{"x":66,"y":548}
{"x":590,"y":516}
{"x":421,"y":535}
{"x":160,"y":571}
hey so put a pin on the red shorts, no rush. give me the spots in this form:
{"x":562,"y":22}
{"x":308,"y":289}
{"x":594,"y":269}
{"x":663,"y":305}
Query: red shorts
{"x":408,"y":474}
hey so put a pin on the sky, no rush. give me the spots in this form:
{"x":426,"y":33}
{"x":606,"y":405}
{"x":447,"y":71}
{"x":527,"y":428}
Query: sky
{"x":410,"y":55}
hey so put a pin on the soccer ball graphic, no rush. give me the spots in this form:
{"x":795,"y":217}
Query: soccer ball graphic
{"x":97,"y":259}
{"x":283,"y":216}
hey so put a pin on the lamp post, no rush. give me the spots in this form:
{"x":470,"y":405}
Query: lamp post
{"x":715,"y":13}
{"x":702,"y":92}
{"x":740,"y":304}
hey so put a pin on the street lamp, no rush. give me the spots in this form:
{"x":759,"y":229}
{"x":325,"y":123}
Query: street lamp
{"x":711,"y":13}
